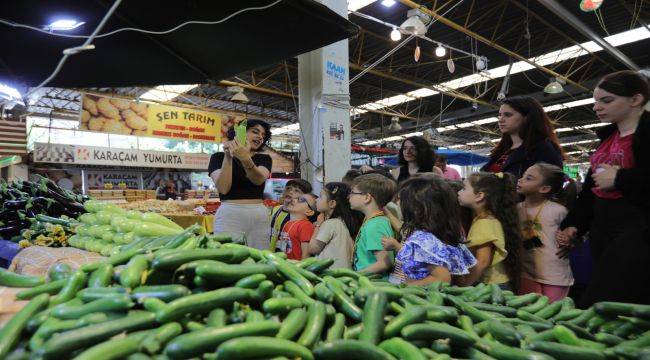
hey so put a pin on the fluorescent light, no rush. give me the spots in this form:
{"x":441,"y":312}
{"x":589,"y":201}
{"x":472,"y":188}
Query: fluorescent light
{"x":456,"y":146}
{"x":166,"y":92}
{"x":476,"y":143}
{"x":9,"y":93}
{"x":590,"y":126}
{"x":564,"y":129}
{"x":569,"y":104}
{"x":550,"y":58}
{"x":578,"y":142}
{"x":63,"y":25}
{"x":354,"y":5}
{"x":388,"y":3}
{"x":576,"y":152}
{"x":285,"y":129}
{"x":485,"y":121}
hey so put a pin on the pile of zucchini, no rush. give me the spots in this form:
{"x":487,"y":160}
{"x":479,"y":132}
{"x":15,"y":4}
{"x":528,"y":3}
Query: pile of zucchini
{"x":229,"y":301}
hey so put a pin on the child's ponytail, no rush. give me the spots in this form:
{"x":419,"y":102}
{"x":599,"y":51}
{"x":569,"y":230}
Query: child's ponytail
{"x":563,"y":189}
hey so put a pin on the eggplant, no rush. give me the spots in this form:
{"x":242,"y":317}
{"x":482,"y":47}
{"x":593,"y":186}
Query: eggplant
{"x":15,"y":204}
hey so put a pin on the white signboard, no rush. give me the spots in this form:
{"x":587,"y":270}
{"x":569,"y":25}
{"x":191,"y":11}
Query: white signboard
{"x":90,"y":155}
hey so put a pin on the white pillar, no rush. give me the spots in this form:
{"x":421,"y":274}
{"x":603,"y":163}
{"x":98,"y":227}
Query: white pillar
{"x":324,"y":97}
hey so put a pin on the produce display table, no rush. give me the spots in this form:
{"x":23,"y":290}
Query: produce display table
{"x":186,"y":221}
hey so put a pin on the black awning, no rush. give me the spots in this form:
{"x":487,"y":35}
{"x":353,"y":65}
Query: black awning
{"x":193,"y":54}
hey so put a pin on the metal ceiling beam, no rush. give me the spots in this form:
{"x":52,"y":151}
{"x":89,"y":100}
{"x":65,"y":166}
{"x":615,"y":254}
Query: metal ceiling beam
{"x":577,"y":24}
{"x":486,"y":41}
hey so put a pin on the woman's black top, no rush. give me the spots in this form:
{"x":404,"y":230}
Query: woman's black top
{"x":520,"y":159}
{"x":405,"y":174}
{"x":633,"y":183}
{"x":242,"y":187}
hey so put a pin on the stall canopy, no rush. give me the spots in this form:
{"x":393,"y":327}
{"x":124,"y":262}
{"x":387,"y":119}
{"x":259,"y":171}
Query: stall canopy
{"x":195,"y":53}
{"x":454,"y":157}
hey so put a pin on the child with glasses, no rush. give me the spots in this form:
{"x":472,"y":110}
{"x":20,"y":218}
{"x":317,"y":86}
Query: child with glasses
{"x":370,"y":193}
{"x":297,"y":232}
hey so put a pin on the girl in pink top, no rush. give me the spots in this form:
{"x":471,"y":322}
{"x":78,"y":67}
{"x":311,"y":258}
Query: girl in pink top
{"x":545,"y":267}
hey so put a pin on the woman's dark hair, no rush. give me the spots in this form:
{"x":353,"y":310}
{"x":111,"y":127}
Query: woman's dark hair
{"x":501,"y":202}
{"x":351,"y":175}
{"x":429,"y":204}
{"x":250,"y":123}
{"x":563,"y":190}
{"x":629,"y":83}
{"x":425,"y":155}
{"x":536,"y":128}
{"x":340,"y":192}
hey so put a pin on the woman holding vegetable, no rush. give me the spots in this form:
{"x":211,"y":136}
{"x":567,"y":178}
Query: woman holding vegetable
{"x":240,"y":172}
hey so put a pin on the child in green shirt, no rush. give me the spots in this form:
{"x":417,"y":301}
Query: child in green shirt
{"x":370,"y":193}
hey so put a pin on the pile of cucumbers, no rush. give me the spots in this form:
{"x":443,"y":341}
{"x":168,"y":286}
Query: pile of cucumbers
{"x":234,"y":302}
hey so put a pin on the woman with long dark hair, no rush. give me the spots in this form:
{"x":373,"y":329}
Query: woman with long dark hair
{"x":416,"y":155}
{"x":527,"y":138}
{"x":333,"y":238}
{"x":240,"y":172}
{"x":614,"y":203}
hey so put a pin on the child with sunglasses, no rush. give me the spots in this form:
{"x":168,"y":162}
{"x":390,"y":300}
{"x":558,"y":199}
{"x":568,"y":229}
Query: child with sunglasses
{"x":298,"y":231}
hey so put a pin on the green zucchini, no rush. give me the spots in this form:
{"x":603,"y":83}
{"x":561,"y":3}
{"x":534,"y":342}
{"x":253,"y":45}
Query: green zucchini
{"x":117,"y":302}
{"x":254,"y":347}
{"x":550,"y":310}
{"x":315,"y":323}
{"x":217,"y":318}
{"x":337,"y":329}
{"x":432,"y":331}
{"x":342,"y":300}
{"x":503,"y":352}
{"x":11,"y":279}
{"x":250,"y":281}
{"x":373,"y":317}
{"x":402,"y":349}
{"x":221,"y":274}
{"x":538,"y":305}
{"x":165,"y":293}
{"x":562,"y":351}
{"x":50,"y":288}
{"x":102,"y":276}
{"x":323,"y":293}
{"x":203,"y":302}
{"x":500,"y":309}
{"x":10,"y":333}
{"x":92,"y":294}
{"x":522,"y":300}
{"x":350,"y":349}
{"x":410,"y":315}
{"x":292,"y":324}
{"x":297,"y":292}
{"x":134,"y":272}
{"x":504,"y":333}
{"x":291,"y":273}
{"x":73,"y":284}
{"x":279,"y":306}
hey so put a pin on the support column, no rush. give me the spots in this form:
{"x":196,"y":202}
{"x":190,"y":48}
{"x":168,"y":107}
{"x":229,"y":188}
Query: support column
{"x":324,"y":98}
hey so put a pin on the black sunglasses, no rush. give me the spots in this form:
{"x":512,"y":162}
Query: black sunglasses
{"x":305,"y":201}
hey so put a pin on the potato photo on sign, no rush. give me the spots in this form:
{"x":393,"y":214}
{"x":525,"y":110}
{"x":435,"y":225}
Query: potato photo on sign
{"x":139,"y":108}
{"x":96,"y":123}
{"x":85,"y":116}
{"x":90,"y":105}
{"x":121,"y":103}
{"x":134,"y":121}
{"x":107,"y":109}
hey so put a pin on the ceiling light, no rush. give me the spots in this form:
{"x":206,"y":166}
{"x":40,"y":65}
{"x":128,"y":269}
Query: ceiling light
{"x":451,"y":66}
{"x":440,"y":51}
{"x":166,"y":92}
{"x":415,"y":24}
{"x":554,"y":87}
{"x":388,"y":3}
{"x":63,"y":25}
{"x":238,"y":96}
{"x":9,"y":93}
{"x":395,"y":35}
{"x":394,"y":124}
{"x":354,"y":5}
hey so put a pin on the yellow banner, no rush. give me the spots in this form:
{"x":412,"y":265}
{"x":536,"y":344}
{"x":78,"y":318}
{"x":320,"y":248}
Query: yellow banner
{"x":125,"y":117}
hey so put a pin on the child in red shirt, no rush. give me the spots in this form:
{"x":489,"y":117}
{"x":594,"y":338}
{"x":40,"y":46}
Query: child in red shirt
{"x":297,"y":232}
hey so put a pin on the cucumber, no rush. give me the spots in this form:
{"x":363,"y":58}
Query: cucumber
{"x":194,"y":344}
{"x":65,"y":343}
{"x":435,"y":298}
{"x":254,"y":316}
{"x":165,"y":293}
{"x":315,"y":323}
{"x":579,"y":331}
{"x":221,"y":274}
{"x":500,"y":309}
{"x":217,"y":318}
{"x":323,"y":293}
{"x":373,"y":317}
{"x":203,"y":302}
{"x":469,"y":310}
{"x":568,"y":315}
{"x":342,"y":300}
{"x":441,"y":346}
{"x":562,"y":351}
{"x":432,"y":331}
{"x":538,"y":305}
{"x":402,"y":349}
{"x":564,"y":335}
{"x":118,"y":259}
{"x":583,"y":318}
{"x":320,"y":266}
{"x":478,"y":293}
{"x":411,"y":315}
{"x":522,"y":300}
{"x":117,"y":302}
{"x":472,"y":353}
{"x":92,"y":294}
{"x":546,"y":335}
{"x":52,"y":326}
{"x":614,"y":309}
{"x":292,"y":324}
{"x":503,"y":352}
{"x":10,"y":333}
{"x":297,"y":292}
{"x":50,"y":288}
{"x":133,"y":274}
{"x":306,"y":262}
{"x":337,"y":329}
{"x":254,"y":347}
{"x":173,"y":260}
{"x":608,"y":339}
{"x":466,"y":323}
{"x":280,"y":306}
{"x":497,"y":296}
{"x":101,"y":277}
{"x":350,"y":349}
{"x":73,"y":284}
{"x":550,"y":310}
{"x":289,"y":272}
{"x":11,"y":279}
{"x":526,"y":331}
{"x":353,"y":332}
{"x":250,"y":281}
{"x":341,"y":272}
{"x":504,"y":333}
{"x":526,"y":316}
